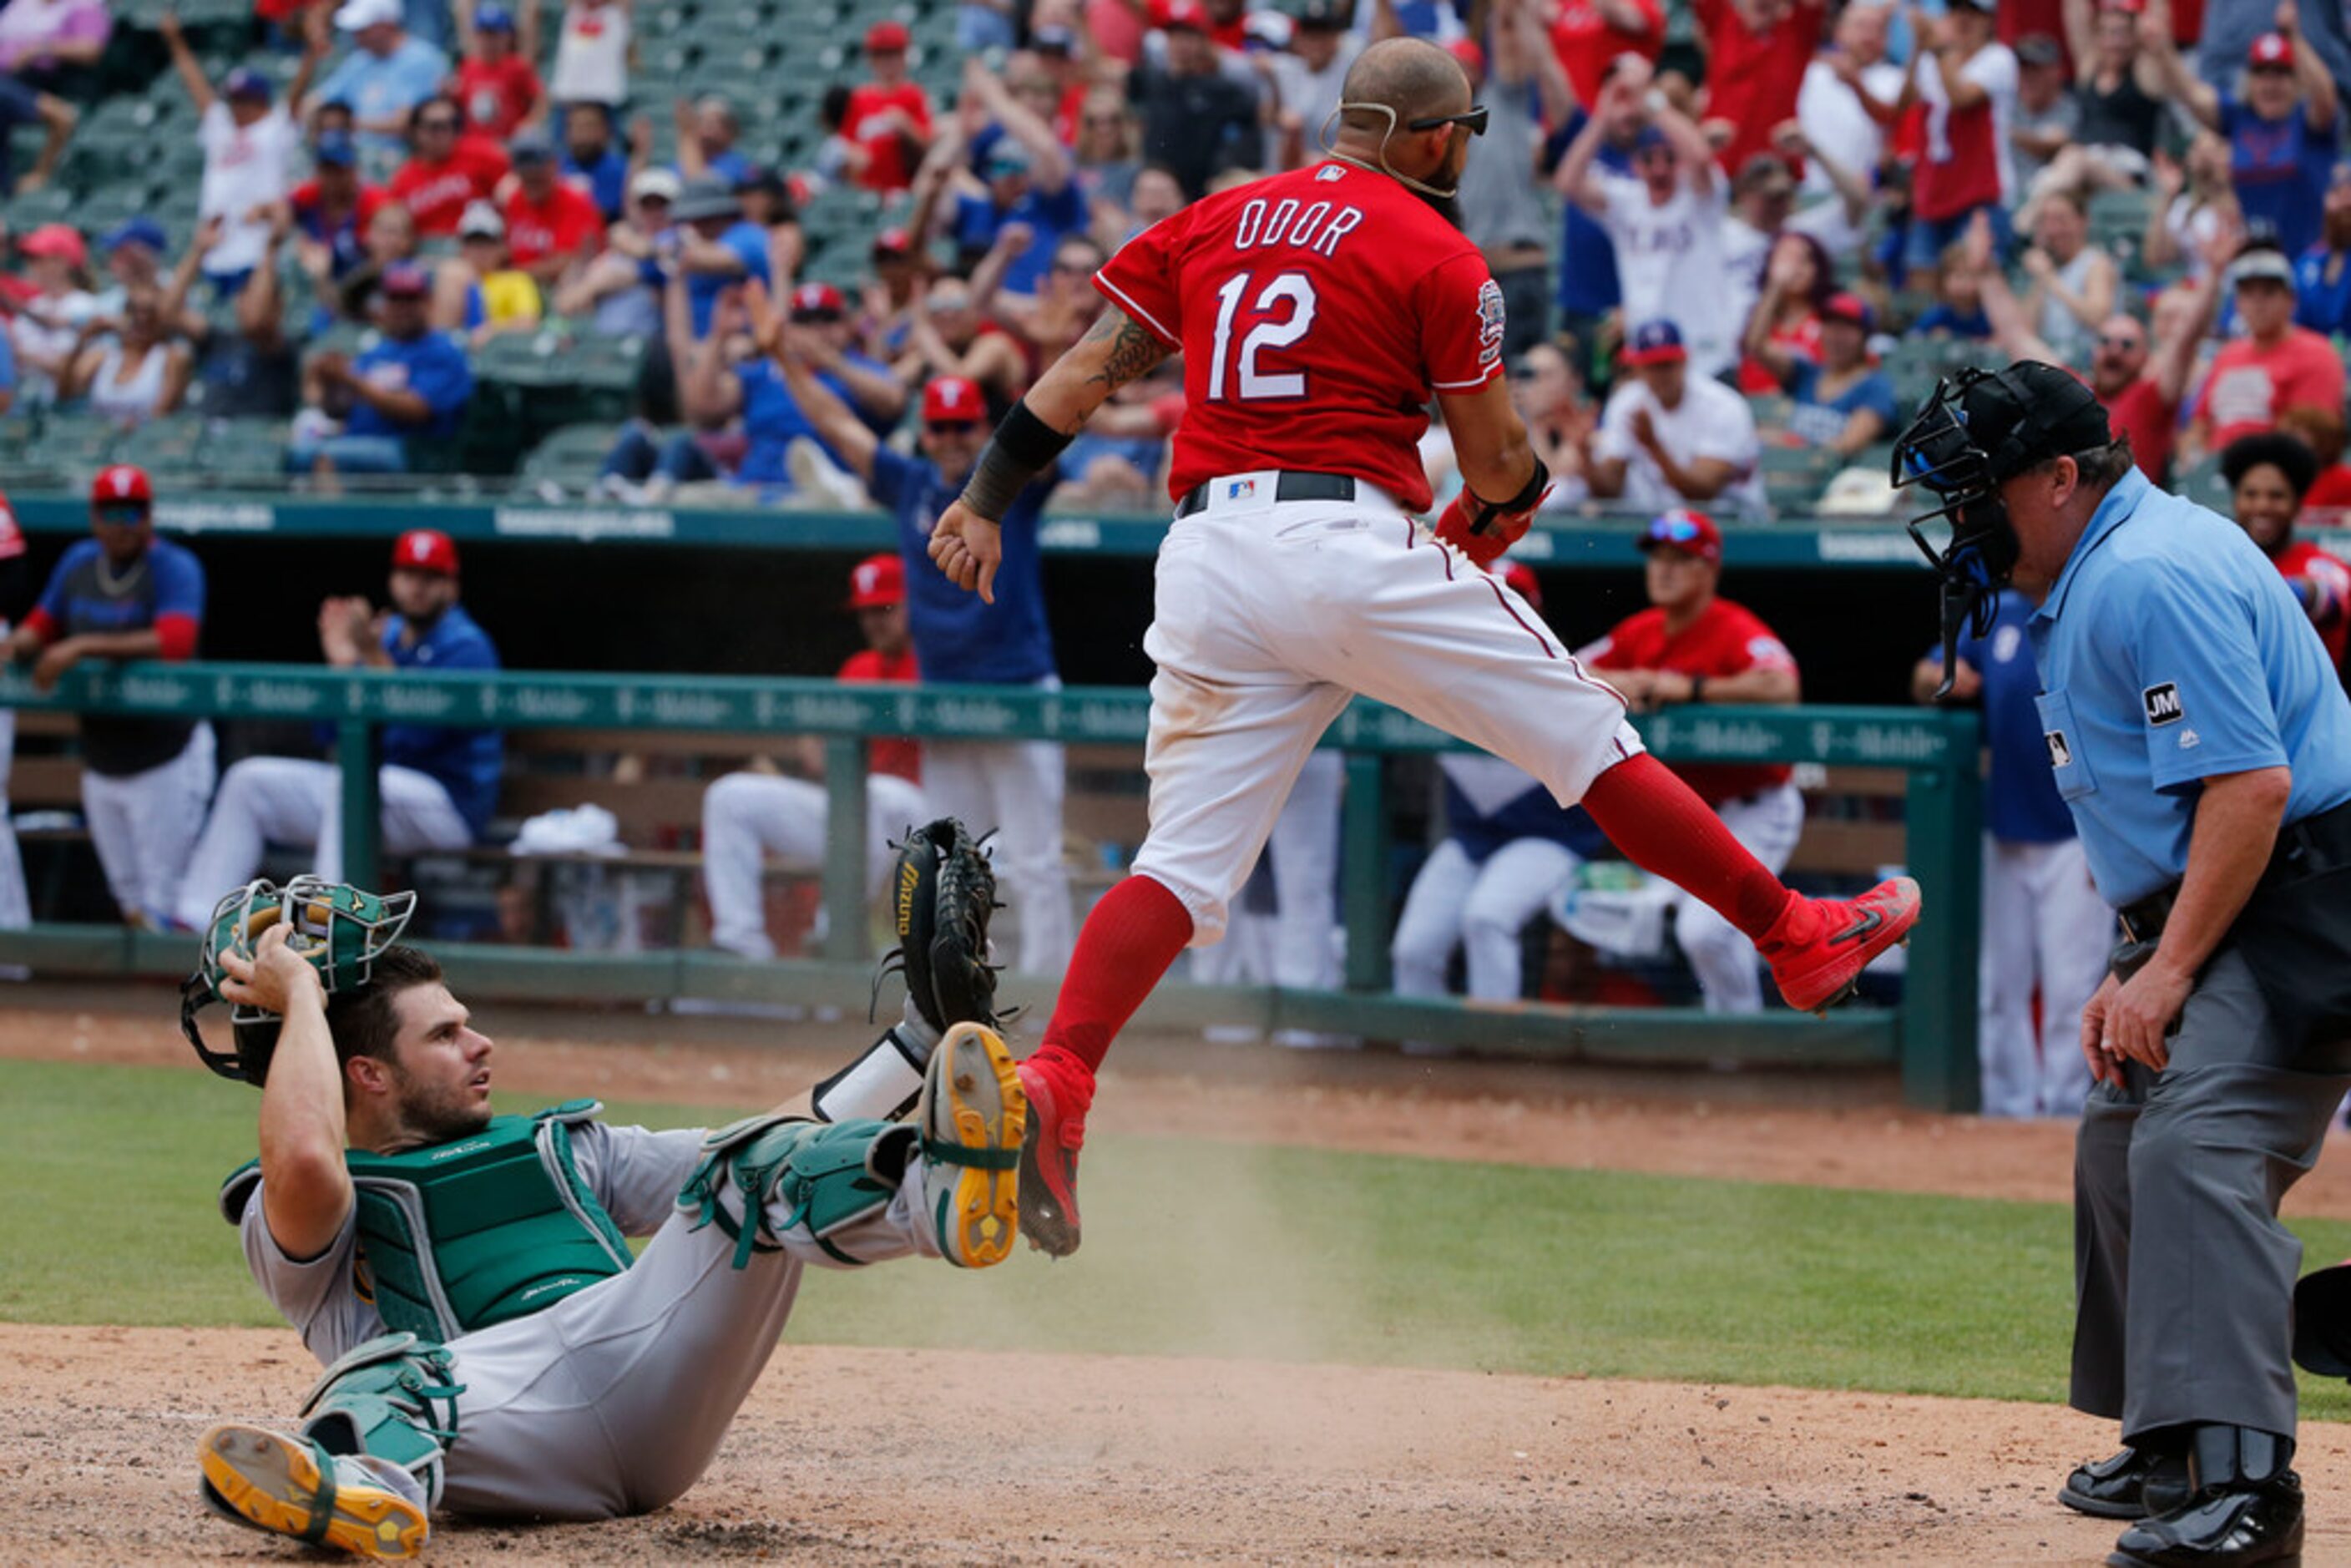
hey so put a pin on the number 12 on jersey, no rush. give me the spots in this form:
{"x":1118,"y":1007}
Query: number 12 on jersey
{"x":1285,"y":312}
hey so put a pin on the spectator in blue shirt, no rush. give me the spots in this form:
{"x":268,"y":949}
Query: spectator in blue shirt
{"x":387,"y":74}
{"x":1031,"y":181}
{"x":1015,"y":787}
{"x":706,"y":130}
{"x":2282,"y":137}
{"x":590,"y":163}
{"x":717,"y":247}
{"x":1959,"y":308}
{"x":438,"y":785}
{"x":1845,"y":402}
{"x":2321,"y":277}
{"x":2044,"y":926}
{"x":413,"y":385}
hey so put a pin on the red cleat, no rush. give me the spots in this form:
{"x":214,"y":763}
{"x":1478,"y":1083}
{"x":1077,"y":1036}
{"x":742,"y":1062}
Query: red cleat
{"x":1819,"y":947}
{"x":1058,"y":1092}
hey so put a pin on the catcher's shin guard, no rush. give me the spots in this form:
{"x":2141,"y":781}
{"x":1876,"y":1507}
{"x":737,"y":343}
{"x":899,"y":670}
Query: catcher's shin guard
{"x":829,"y":1177}
{"x":294,"y":1486}
{"x":973,"y":1115}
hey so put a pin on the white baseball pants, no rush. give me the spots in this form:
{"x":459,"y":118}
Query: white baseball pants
{"x":289,"y":800}
{"x":1302,"y":951}
{"x":1268,"y":616}
{"x":748,"y":816}
{"x":1768,"y":823}
{"x":142,"y":824}
{"x":2043,"y":923}
{"x":1014,"y":787}
{"x":1480,"y":907}
{"x":16,"y":904}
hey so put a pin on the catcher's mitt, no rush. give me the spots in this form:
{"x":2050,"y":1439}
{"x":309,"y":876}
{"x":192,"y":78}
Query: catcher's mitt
{"x":341,"y":930}
{"x":942,"y":892}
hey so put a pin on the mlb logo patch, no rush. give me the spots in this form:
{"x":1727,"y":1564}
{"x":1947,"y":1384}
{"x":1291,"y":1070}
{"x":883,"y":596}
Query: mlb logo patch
{"x":2060,"y":754}
{"x":1240,"y":490}
{"x":1329,"y":174}
{"x":2163,"y":704}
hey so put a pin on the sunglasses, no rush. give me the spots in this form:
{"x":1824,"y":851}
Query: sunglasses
{"x":437,"y":125}
{"x":1671,"y":531}
{"x":122,"y":516}
{"x":1475,"y":121}
{"x":953,"y":426}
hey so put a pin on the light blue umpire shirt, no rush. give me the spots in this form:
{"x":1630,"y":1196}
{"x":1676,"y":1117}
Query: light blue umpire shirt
{"x":2172,"y":652}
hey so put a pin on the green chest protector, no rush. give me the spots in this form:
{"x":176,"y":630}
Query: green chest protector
{"x":459,"y":1236}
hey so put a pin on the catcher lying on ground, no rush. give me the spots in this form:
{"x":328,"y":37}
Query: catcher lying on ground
{"x":491,"y":1347}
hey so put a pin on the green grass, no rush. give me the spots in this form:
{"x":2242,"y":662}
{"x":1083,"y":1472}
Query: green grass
{"x":1216,"y":1251}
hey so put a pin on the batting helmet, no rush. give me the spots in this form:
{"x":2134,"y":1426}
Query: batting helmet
{"x":340,"y":929}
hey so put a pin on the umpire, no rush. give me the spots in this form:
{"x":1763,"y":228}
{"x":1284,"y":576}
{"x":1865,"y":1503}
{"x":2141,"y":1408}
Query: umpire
{"x":2203,"y":745}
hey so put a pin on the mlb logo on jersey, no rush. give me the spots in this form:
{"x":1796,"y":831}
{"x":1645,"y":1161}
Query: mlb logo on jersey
{"x":2060,"y":754}
{"x":1240,"y":490}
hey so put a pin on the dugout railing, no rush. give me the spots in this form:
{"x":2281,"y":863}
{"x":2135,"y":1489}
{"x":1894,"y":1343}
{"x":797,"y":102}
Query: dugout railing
{"x":1931,"y":1032}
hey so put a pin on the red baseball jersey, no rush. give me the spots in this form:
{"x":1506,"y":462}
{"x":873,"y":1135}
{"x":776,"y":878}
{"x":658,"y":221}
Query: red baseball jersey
{"x":1316,"y":312}
{"x":894,"y":753}
{"x":1725,"y":639}
{"x":2327,"y":581}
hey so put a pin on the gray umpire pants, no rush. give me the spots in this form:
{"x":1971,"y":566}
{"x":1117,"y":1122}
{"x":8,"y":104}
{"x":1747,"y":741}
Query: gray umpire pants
{"x":2184,"y":1276}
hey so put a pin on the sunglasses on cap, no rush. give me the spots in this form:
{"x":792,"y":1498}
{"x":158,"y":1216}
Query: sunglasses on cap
{"x":1671,"y":531}
{"x":1473,"y":120}
{"x":122,"y":514}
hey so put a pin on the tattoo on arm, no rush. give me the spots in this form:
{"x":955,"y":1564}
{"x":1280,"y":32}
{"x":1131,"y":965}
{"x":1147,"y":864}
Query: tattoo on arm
{"x":1133,"y":349}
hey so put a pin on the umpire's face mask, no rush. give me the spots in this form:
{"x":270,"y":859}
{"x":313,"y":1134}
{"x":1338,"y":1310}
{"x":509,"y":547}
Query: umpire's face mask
{"x":1979,"y":548}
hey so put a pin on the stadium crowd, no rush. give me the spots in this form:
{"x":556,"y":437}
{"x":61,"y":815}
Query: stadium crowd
{"x":1737,"y":239}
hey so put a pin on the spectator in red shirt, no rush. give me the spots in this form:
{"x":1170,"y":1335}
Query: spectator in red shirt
{"x":888,"y":123}
{"x":2322,"y":430}
{"x":496,"y":86}
{"x":1964,"y":89}
{"x":1588,"y":35}
{"x":2274,"y":366}
{"x":447,"y":171}
{"x":550,"y":227}
{"x":332,"y":210}
{"x":1755,"y":67}
{"x":2269,"y":475}
{"x":1692,"y":645}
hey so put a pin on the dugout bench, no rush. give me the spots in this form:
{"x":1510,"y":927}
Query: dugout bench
{"x":1931,"y":1034}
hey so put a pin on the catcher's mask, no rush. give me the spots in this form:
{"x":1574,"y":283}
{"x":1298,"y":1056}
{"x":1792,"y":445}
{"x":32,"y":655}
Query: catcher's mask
{"x":1974,"y":430}
{"x":340,"y":929}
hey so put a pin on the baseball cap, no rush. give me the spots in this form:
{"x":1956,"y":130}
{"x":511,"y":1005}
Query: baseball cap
{"x":122,"y":485}
{"x":531,"y":147}
{"x":706,"y":198}
{"x":1764,"y":168}
{"x":1052,"y":40}
{"x":1658,"y":343}
{"x":494,"y":19}
{"x":2039,"y":49}
{"x":60,"y":240}
{"x":1322,"y":17}
{"x":425,"y":549}
{"x":953,"y":400}
{"x":1691,"y":532}
{"x":2070,"y":419}
{"x":2271,"y":51}
{"x":812,"y":301}
{"x":356,"y":14}
{"x":1849,"y":308}
{"x":1472,"y":56}
{"x":893,"y":243}
{"x":655,"y":185}
{"x":141,"y":230}
{"x":886,"y":37}
{"x":1188,"y":15}
{"x":481,"y":220}
{"x":1521,"y":576}
{"x":405,"y":280}
{"x":1649,"y":136}
{"x":2263,"y":266}
{"x":877,"y":582}
{"x":245,"y":82}
{"x":1006,"y":156}
{"x":336,"y":150}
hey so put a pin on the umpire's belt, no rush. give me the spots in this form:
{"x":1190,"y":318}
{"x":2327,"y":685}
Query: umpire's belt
{"x":2308,"y":848}
{"x":1287,"y":487}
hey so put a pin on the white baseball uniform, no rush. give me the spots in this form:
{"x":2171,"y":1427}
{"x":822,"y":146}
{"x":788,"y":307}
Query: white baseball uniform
{"x":748,"y":816}
{"x":291,"y":800}
{"x":1503,"y":858}
{"x":143,"y":824}
{"x":1016,"y":787}
{"x":16,"y":904}
{"x":2042,"y":920}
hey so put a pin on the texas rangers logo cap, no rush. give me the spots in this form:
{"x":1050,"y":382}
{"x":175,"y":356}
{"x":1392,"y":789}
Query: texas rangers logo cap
{"x":1691,"y":532}
{"x":877,"y":582}
{"x":1657,"y":342}
{"x":425,"y":549}
{"x":953,"y":400}
{"x":121,"y":483}
{"x":2271,"y":51}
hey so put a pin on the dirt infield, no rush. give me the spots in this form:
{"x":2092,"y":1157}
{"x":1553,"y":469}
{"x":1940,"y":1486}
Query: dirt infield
{"x":895,"y":1455}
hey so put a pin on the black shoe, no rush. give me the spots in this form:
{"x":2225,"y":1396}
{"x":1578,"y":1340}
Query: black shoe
{"x":2132,"y":1484}
{"x":2229,"y":1529}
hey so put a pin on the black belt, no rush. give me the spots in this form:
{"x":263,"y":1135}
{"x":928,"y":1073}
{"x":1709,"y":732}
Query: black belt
{"x":2307,"y":848}
{"x":1287,"y":487}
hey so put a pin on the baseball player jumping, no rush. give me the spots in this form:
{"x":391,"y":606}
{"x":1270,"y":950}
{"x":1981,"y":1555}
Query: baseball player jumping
{"x":491,"y":1345}
{"x":1317,"y":311}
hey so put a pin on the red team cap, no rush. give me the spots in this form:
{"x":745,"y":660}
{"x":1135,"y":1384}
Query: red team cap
{"x":814,"y":300}
{"x":121,"y":483}
{"x":1472,"y":56}
{"x":1186,"y":13}
{"x":952,"y":400}
{"x":887,"y":37}
{"x":1654,"y":343}
{"x":2271,"y":50}
{"x":1521,"y":580}
{"x":877,"y":582}
{"x":1690,"y":532}
{"x":426,"y":549}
